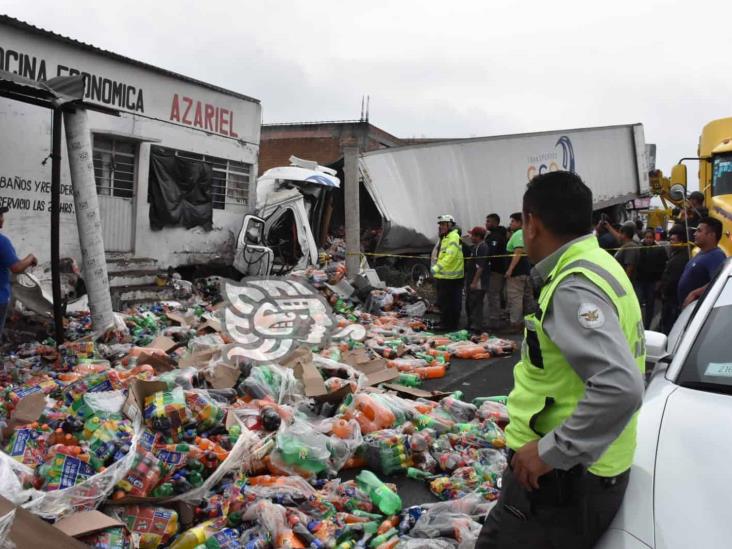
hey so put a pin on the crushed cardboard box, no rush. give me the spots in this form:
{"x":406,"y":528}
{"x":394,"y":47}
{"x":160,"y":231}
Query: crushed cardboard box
{"x":376,"y":370}
{"x":28,"y":410}
{"x":30,"y":531}
{"x":85,"y":523}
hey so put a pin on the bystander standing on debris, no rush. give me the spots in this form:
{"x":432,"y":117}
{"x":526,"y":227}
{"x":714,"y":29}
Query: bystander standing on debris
{"x":572,"y":429}
{"x":448,"y":271}
{"x":651,"y":264}
{"x":496,"y":240}
{"x":9,"y":262}
{"x":518,"y":285}
{"x":477,"y":273}
{"x":702,"y":268}
{"x":667,"y":290}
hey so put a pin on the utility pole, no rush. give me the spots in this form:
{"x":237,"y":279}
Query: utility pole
{"x":352,"y":210}
{"x":88,"y":219}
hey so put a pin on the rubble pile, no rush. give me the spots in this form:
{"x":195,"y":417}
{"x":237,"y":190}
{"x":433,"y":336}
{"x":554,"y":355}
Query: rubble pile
{"x":179,"y":446}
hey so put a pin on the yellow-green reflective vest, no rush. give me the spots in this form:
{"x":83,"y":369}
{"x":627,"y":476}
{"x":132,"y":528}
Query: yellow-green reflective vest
{"x":450,"y":262}
{"x":546,"y":388}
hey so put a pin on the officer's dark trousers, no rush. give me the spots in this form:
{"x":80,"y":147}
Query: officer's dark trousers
{"x":570,"y":510}
{"x":450,"y":301}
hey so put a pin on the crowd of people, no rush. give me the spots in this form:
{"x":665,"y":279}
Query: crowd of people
{"x":487,"y":268}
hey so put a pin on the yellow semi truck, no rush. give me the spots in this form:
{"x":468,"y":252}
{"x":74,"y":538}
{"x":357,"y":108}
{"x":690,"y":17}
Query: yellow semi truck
{"x":715,"y":179}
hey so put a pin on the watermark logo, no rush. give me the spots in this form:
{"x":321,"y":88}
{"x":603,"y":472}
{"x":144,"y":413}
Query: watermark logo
{"x":268,"y":319}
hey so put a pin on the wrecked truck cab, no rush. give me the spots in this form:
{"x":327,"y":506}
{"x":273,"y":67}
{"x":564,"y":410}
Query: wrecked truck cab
{"x":281,"y":235}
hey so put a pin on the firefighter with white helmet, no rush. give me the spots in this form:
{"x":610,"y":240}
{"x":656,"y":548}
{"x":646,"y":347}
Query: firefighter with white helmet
{"x":448,"y":270}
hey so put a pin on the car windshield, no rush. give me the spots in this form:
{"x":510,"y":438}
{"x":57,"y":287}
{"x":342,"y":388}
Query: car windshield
{"x":709,"y":363}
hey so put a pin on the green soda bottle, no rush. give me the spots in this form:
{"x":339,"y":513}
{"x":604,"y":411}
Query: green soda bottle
{"x":387,"y":501}
{"x":383,"y":538}
{"x":410,"y":380}
{"x":460,"y":335}
{"x":501,"y":399}
{"x":418,"y":474}
{"x":234,"y":433}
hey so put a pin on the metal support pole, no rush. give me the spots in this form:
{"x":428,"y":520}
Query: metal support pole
{"x":352,"y":210}
{"x":55,"y":229}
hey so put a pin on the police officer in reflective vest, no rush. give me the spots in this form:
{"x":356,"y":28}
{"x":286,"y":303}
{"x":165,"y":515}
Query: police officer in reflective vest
{"x":448,"y":271}
{"x":578,"y":386}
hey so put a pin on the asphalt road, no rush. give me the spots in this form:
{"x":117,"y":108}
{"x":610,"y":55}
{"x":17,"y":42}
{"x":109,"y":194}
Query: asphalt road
{"x":475,"y":378}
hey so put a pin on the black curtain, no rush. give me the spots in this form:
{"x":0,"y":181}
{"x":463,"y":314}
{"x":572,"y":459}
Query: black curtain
{"x":179,"y":191}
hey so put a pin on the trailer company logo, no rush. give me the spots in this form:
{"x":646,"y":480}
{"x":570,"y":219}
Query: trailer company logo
{"x":268,"y":319}
{"x":550,"y":162}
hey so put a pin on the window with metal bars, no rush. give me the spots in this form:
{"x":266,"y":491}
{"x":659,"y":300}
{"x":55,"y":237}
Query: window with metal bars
{"x":229,"y":182}
{"x":115,"y":162}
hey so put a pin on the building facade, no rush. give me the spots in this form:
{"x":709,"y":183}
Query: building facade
{"x":161,"y":115}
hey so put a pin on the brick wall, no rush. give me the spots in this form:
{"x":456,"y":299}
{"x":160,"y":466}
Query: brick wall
{"x":322,"y":142}
{"x":277,"y":152}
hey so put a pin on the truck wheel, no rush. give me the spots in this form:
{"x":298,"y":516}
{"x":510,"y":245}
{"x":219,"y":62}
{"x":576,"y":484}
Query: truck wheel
{"x":419,"y":273}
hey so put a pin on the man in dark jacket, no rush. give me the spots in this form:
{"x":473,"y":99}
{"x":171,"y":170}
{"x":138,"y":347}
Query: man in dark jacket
{"x":650,"y":268}
{"x":496,"y":239}
{"x":477,"y":271}
{"x":678,"y":258}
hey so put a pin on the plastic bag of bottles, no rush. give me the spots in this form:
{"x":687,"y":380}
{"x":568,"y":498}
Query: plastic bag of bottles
{"x":333,"y":369}
{"x":494,"y":411}
{"x":205,"y":412}
{"x":274,"y":382}
{"x":459,"y":527}
{"x":205,"y":342}
{"x":109,"y":538}
{"x":153,"y":526}
{"x":82,"y":459}
{"x":246,"y":450}
{"x":166,"y":411}
{"x":183,"y":378}
{"x":301,"y":450}
{"x":387,"y":451}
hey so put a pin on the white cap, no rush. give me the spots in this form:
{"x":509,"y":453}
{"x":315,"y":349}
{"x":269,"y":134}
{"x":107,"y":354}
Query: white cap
{"x":445,"y":218}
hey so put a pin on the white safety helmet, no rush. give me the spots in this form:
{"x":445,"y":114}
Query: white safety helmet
{"x":445,"y":218}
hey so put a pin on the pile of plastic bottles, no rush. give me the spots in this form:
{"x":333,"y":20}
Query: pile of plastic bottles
{"x":258,"y":463}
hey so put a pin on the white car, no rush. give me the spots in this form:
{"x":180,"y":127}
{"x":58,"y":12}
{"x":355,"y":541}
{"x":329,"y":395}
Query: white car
{"x":681,"y":481}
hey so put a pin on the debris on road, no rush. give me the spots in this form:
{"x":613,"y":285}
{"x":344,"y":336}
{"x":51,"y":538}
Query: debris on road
{"x":179,"y":446}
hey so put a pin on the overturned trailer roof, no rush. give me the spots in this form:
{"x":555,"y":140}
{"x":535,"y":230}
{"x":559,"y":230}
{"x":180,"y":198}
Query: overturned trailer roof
{"x":470,"y":178}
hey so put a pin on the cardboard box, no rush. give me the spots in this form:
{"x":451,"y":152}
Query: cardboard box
{"x":376,"y":370}
{"x":158,"y":357}
{"x":85,"y":523}
{"x":28,"y":410}
{"x":414,"y":392}
{"x":301,"y":362}
{"x":31,"y":532}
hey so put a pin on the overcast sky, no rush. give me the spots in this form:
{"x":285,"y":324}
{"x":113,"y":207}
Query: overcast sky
{"x":436,"y":69}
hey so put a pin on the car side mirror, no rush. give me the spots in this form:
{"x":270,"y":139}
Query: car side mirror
{"x":656,"y":347}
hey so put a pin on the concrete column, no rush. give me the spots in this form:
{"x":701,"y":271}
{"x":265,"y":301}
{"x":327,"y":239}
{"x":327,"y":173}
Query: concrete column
{"x":352,"y":210}
{"x":88,"y":219}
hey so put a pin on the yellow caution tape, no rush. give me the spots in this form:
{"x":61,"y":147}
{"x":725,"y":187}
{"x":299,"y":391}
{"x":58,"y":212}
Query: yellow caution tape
{"x":375,"y":254}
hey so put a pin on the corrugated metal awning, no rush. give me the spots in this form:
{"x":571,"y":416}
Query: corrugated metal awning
{"x":54,"y":93}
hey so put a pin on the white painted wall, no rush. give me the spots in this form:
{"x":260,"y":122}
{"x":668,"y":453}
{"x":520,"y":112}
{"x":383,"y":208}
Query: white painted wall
{"x":25,"y":137}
